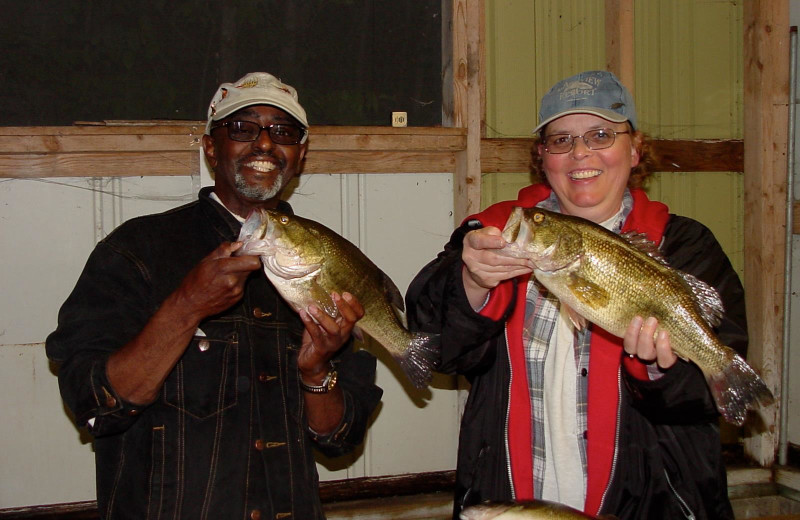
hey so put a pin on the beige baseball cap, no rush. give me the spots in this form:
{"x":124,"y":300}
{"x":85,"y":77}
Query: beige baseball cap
{"x":255,"y":88}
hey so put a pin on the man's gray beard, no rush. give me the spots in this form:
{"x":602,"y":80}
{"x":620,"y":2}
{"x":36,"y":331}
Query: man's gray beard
{"x":258,"y":192}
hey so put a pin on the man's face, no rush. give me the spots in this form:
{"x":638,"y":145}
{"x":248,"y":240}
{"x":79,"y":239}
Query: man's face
{"x":252,"y":174}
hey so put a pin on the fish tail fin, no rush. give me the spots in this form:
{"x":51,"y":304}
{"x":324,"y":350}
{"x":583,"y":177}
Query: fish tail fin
{"x":420,"y":358}
{"x":736,"y":389}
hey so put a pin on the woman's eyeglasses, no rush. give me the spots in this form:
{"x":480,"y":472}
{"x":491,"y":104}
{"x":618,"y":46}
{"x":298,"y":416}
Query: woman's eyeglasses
{"x":595,"y":140}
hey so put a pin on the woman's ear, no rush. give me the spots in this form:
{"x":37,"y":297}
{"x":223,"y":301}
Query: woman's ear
{"x":636,"y":146}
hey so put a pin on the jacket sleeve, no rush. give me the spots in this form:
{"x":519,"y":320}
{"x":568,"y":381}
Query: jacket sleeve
{"x":682,"y":394}
{"x":356,"y":376}
{"x":436,"y":302}
{"x":110,"y":303}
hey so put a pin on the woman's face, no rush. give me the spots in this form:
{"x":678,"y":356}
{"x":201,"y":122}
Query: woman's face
{"x":589,"y":183}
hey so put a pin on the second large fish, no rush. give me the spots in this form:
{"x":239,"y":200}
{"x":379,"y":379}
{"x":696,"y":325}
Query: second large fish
{"x":306,"y":261}
{"x":608,"y":280}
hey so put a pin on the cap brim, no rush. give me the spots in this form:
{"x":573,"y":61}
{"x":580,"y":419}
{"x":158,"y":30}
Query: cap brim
{"x":250,"y":102}
{"x":610,"y":115}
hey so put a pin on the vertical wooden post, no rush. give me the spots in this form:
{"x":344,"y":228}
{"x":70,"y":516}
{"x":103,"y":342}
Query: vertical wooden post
{"x":468,"y":100}
{"x":619,"y":41}
{"x":766,"y":98}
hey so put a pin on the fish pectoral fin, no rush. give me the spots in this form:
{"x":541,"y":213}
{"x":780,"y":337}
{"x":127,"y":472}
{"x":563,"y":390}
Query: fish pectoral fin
{"x":322,"y":298}
{"x":588,"y":292}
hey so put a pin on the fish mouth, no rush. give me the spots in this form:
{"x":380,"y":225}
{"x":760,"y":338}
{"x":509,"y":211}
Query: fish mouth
{"x":581,"y":175}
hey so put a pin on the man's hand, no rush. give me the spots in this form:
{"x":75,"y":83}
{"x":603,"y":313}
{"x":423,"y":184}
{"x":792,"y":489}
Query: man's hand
{"x":325,"y":336}
{"x":217,"y":282}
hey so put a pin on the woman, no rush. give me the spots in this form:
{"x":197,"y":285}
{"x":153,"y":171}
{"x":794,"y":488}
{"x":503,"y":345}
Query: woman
{"x":603,"y":424}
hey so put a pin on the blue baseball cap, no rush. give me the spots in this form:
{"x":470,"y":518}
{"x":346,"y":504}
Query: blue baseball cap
{"x":596,"y":92}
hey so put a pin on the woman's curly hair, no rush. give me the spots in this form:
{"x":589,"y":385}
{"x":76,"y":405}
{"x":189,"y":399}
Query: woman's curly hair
{"x":639,"y":173}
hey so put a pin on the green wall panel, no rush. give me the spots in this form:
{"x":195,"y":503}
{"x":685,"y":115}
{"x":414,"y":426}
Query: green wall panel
{"x":688,"y":84}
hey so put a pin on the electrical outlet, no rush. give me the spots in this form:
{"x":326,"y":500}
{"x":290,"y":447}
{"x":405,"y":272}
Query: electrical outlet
{"x":399,"y":119}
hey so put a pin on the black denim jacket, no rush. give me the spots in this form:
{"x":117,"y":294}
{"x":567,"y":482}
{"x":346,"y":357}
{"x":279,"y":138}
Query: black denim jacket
{"x":227,"y":436}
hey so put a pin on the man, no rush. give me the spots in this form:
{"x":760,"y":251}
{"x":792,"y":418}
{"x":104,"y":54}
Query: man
{"x":204,"y":391}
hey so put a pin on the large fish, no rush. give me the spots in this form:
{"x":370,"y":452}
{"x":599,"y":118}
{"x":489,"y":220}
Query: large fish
{"x":609,"y":279}
{"x":306,"y":261}
{"x":533,"y":510}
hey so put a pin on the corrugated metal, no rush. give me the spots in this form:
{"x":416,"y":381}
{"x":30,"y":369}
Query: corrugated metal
{"x":688,"y":85}
{"x":529,"y":46}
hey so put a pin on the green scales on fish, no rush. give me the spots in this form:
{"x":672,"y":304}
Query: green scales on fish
{"x":609,"y":279}
{"x":306,"y":262}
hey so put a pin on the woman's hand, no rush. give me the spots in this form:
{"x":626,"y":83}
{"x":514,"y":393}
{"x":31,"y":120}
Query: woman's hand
{"x":484,"y":267}
{"x":641,"y":340}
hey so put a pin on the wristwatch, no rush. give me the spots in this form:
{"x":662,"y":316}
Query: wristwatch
{"x":327,"y":384}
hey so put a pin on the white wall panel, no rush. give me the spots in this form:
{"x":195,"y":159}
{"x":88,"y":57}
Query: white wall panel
{"x":48,"y":228}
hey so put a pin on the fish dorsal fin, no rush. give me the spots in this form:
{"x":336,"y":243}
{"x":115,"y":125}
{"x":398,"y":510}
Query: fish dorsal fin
{"x":645,"y":245}
{"x":707,"y":298}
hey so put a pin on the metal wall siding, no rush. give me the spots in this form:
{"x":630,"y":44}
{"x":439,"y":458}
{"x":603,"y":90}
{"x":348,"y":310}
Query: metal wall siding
{"x":689,"y":84}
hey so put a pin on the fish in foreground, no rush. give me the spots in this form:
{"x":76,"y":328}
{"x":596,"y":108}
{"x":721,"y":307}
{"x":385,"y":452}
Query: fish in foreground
{"x":306,"y":262}
{"x":609,"y":279}
{"x":535,"y":509}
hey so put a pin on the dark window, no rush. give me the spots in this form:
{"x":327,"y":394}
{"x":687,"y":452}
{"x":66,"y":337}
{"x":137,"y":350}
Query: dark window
{"x":353,"y":62}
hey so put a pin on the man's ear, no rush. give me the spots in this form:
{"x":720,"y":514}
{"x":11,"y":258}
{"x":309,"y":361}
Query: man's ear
{"x":210,"y":150}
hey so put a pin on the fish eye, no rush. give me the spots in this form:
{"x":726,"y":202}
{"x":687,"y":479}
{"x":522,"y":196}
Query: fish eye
{"x":284,"y":219}
{"x":538,"y":218}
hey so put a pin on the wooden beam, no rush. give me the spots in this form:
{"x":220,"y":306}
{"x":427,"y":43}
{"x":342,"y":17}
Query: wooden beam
{"x":619,"y":41}
{"x":672,"y":155}
{"x":173,"y":149}
{"x":468,"y":102}
{"x":93,"y":164}
{"x":766,"y":98}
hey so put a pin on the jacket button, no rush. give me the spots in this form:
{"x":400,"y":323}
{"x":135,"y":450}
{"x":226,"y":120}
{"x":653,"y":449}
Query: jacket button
{"x":133,"y":411}
{"x":585,"y":434}
{"x":255,"y":514}
{"x":203,"y":345}
{"x":584,"y":372}
{"x":258,"y":313}
{"x":259,"y":444}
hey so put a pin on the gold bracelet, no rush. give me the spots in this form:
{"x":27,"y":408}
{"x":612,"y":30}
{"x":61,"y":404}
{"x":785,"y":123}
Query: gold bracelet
{"x":327,"y":384}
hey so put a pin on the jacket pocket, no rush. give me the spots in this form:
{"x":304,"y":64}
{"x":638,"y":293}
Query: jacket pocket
{"x":156,"y":480}
{"x":203,"y":383}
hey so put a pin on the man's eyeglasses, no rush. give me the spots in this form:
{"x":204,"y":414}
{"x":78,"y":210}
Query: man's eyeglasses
{"x":247,"y":131}
{"x":594,"y":139}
